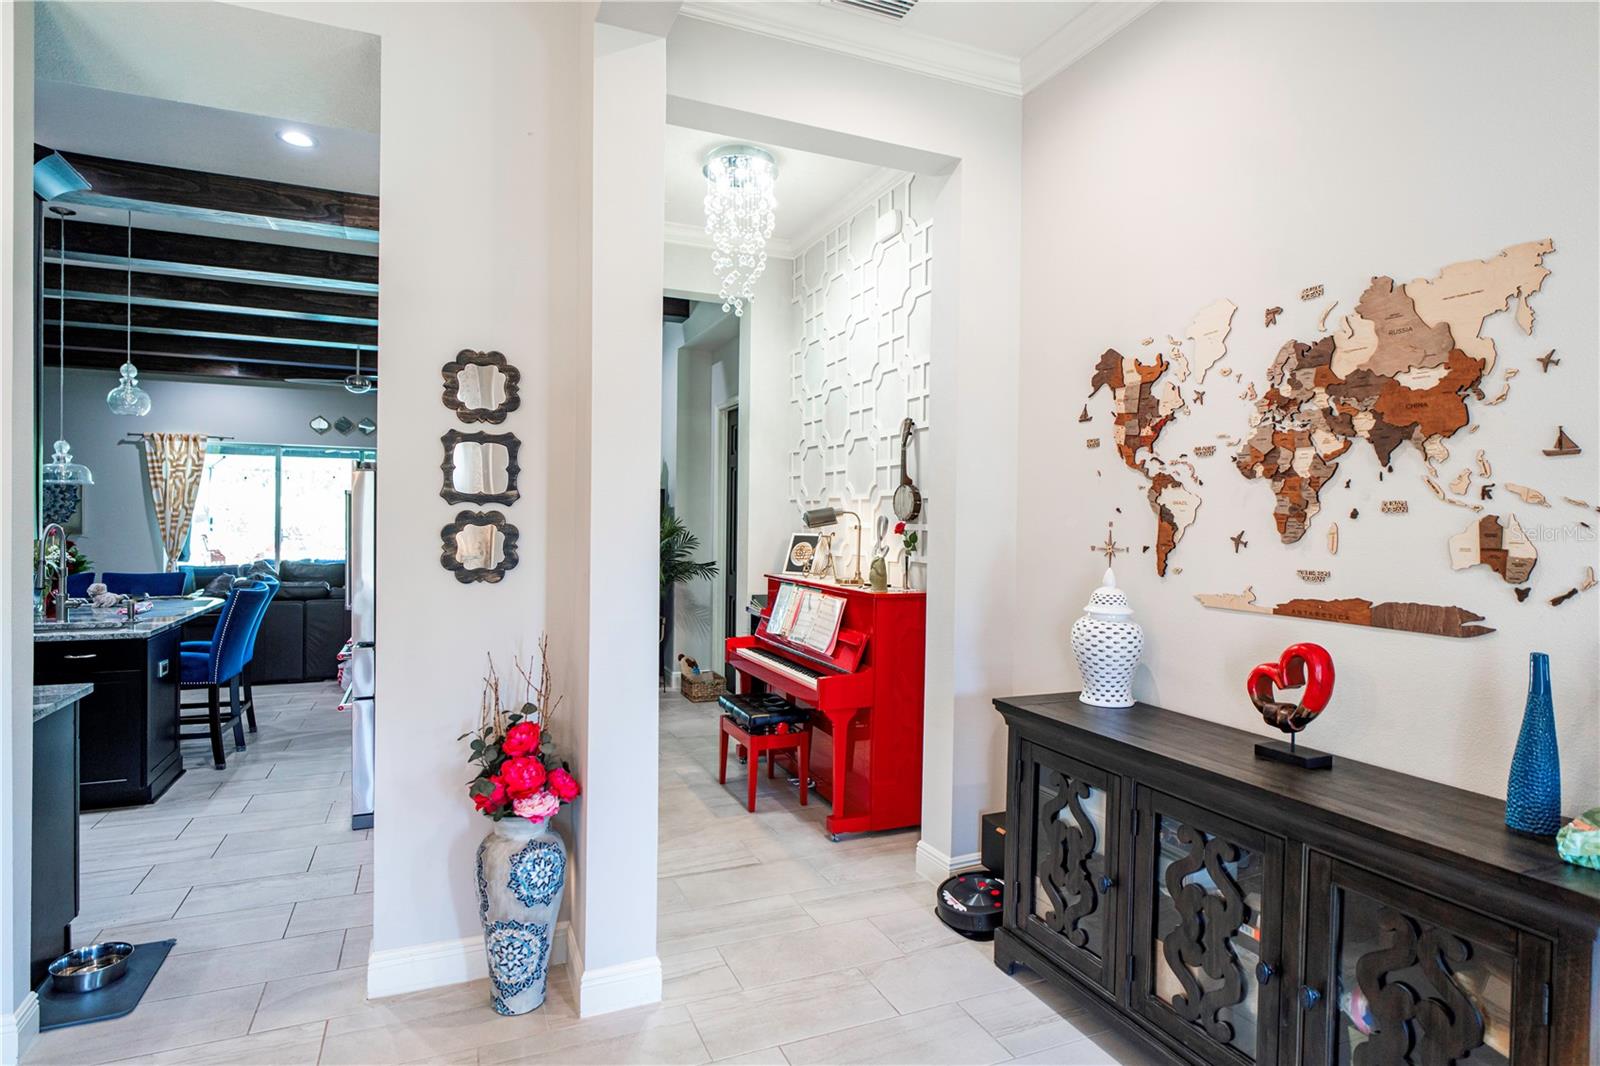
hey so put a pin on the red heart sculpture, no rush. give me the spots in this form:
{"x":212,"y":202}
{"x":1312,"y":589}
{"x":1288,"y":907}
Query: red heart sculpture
{"x":1300,"y":664}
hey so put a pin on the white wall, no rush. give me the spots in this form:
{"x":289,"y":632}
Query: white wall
{"x":119,"y":531}
{"x":860,"y":360}
{"x":1198,"y":155}
{"x":748,"y":86}
{"x":18,"y":1007}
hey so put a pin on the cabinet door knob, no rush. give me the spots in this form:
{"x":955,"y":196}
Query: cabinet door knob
{"x":1310,"y":996}
{"x":1264,"y":972}
{"x":1106,"y":883}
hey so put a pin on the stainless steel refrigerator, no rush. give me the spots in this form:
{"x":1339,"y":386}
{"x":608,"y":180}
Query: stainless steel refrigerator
{"x":360,"y":595}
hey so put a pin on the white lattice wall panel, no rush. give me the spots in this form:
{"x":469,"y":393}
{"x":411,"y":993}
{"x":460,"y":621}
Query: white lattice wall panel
{"x":860,"y":363}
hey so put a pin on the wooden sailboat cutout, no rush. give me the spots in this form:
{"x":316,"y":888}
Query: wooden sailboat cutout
{"x":1564,"y":444}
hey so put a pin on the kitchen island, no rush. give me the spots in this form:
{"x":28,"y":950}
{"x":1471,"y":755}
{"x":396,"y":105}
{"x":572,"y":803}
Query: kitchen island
{"x":128,"y":726}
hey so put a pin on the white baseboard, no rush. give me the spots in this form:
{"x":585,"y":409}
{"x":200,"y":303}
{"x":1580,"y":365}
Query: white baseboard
{"x":934,"y":865}
{"x":447,"y":962}
{"x":19,"y":1029}
{"x":612,"y":988}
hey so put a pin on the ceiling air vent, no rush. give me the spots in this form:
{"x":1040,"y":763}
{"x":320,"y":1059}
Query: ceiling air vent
{"x":895,"y":9}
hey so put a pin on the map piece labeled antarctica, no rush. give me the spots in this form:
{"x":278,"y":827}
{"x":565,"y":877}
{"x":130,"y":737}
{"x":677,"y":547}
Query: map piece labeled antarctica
{"x":1400,"y":368}
{"x":1502,"y":546}
{"x":1436,"y":619}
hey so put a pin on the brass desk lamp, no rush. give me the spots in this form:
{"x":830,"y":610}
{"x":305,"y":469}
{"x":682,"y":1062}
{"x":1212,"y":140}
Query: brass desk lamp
{"x":827,"y":516}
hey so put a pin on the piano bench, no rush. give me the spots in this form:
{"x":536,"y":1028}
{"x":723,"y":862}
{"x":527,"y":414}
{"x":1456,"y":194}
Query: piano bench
{"x":798,"y":741}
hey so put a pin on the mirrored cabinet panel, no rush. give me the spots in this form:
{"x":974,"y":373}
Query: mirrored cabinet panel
{"x":1068,"y":891}
{"x":478,"y":546}
{"x":481,"y":386}
{"x":1205,"y":942}
{"x":480,"y":467}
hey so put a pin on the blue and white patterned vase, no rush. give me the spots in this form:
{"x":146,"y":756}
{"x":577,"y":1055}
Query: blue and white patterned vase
{"x":1533,"y":794}
{"x":522,"y":869}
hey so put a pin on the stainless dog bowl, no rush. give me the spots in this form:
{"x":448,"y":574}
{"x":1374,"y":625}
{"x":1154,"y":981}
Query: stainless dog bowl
{"x":86,"y":969}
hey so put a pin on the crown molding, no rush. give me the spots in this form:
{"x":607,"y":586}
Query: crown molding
{"x":871,"y":38}
{"x":862,"y":196}
{"x":1097,"y":24}
{"x":879,"y":40}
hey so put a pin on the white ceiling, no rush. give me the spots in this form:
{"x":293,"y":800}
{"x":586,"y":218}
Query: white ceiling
{"x":812,"y":189}
{"x":999,"y":45}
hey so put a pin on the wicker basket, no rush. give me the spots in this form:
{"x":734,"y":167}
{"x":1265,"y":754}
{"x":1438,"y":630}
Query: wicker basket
{"x":703,"y":689}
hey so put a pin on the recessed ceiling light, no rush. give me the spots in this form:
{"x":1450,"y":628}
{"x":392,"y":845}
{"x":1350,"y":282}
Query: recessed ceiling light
{"x":297,"y":138}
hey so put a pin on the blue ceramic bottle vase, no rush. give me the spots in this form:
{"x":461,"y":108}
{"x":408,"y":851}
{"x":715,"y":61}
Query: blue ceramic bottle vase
{"x":1533,"y":793}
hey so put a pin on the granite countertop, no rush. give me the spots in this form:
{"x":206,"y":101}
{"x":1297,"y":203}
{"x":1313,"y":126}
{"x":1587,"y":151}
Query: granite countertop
{"x":164,"y":615}
{"x":48,"y":699}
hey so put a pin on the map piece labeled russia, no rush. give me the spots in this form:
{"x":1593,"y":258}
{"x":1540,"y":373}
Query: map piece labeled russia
{"x":1400,"y":368}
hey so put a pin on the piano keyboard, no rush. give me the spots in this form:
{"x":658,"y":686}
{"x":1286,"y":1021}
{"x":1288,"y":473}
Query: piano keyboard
{"x":798,"y":672}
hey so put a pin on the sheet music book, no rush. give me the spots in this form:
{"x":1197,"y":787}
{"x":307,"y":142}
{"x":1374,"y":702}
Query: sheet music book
{"x":807,"y":617}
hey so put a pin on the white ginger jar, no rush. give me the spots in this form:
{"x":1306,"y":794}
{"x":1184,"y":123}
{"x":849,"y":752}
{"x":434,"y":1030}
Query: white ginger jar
{"x":1107,"y":643}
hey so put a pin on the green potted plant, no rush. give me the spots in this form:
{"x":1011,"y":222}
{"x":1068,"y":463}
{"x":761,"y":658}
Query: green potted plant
{"x":678,"y":565}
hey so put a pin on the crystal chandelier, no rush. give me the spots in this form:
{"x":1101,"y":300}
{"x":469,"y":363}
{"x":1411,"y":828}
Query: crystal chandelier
{"x":740,"y":214}
{"x":127,"y":398}
{"x":61,"y":470}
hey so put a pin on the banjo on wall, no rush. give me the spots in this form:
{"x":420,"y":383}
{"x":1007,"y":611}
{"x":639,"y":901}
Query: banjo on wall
{"x":907,"y":498}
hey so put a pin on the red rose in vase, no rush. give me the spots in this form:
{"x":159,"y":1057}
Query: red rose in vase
{"x":494,"y":800}
{"x":522,"y":776}
{"x":521,"y":739}
{"x":564,"y":785}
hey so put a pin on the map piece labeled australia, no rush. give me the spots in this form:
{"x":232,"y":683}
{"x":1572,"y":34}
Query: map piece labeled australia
{"x":1501,"y":545}
{"x":1400,"y":368}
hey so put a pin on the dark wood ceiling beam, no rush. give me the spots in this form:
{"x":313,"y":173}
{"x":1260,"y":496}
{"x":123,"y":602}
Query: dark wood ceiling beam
{"x":191,"y":250}
{"x":222,"y":197}
{"x":210,"y":294}
{"x":167,"y":344}
{"x":674,"y":309}
{"x":192,"y":366}
{"x":211,"y":323}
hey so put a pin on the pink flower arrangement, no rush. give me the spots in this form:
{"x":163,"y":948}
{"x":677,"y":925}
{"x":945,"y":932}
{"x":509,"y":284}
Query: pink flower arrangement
{"x":516,"y":776}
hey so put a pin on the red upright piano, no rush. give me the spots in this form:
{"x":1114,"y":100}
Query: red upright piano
{"x":866,"y":700}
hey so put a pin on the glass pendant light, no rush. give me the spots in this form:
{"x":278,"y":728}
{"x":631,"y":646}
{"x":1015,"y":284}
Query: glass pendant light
{"x":358,"y":383}
{"x":127,"y":398}
{"x":61,"y":470}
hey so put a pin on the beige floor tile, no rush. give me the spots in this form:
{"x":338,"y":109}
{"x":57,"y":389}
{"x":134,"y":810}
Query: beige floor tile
{"x":342,"y":856}
{"x":917,"y":930}
{"x":315,"y":997}
{"x":108,"y":831}
{"x":1106,"y":1049}
{"x":767,"y":1056}
{"x":265,"y":891}
{"x":298,"y":1046}
{"x":749,"y":882}
{"x":773,"y":960}
{"x":1029,"y":1019}
{"x":157,"y":814}
{"x":649,"y":1034}
{"x":296,"y":799}
{"x":838,"y":903}
{"x":782,"y":1014}
{"x":227,"y":869}
{"x":411,"y":1008}
{"x":927,"y":1037}
{"x":239,"y":842}
{"x":367,"y":880}
{"x":205,"y":934}
{"x":110,"y":882}
{"x":96,"y":856}
{"x":130,"y":909}
{"x":939,"y":975}
{"x":155,"y":1026}
{"x":695,"y":975}
{"x":702,"y":926}
{"x":331,"y":912}
{"x":357,"y":947}
{"x":210,"y":971}
{"x":451,"y":1036}
{"x":252,"y":820}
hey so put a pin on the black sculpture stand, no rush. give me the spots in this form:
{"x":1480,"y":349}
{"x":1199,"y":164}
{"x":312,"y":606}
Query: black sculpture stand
{"x":1305,"y":758}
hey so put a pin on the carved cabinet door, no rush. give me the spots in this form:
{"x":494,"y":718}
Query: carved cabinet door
{"x":1207,"y":924}
{"x":1066,"y":903}
{"x":1397,"y":977}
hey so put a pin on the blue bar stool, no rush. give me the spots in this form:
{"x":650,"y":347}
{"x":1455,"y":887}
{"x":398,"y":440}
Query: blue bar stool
{"x":211,"y":664}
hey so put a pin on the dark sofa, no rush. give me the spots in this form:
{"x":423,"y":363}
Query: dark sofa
{"x":305,"y":626}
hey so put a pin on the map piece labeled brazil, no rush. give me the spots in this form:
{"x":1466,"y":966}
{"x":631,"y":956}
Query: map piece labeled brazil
{"x":1401,"y":367}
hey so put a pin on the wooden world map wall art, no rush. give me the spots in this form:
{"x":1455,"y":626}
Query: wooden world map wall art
{"x":1405,"y":365}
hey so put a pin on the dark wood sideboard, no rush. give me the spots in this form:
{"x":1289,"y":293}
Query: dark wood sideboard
{"x":1235,"y":911}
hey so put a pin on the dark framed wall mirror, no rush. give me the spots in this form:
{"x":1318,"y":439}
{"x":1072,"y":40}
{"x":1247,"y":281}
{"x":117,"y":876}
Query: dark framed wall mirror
{"x":481,"y":386}
{"x":480,"y":467}
{"x":478,"y":546}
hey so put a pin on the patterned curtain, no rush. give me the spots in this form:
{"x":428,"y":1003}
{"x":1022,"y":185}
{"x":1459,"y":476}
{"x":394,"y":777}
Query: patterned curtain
{"x":173,"y":463}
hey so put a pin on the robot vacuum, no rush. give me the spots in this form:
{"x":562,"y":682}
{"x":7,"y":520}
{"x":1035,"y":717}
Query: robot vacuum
{"x":971,"y":904}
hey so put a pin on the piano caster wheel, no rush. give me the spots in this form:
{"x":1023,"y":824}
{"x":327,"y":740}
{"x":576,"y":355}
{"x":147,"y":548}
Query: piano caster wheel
{"x":833,"y":838}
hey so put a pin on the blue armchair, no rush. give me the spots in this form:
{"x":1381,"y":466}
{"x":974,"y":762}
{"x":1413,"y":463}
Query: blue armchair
{"x":154,"y":584}
{"x":78,"y":584}
{"x":219,"y":661}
